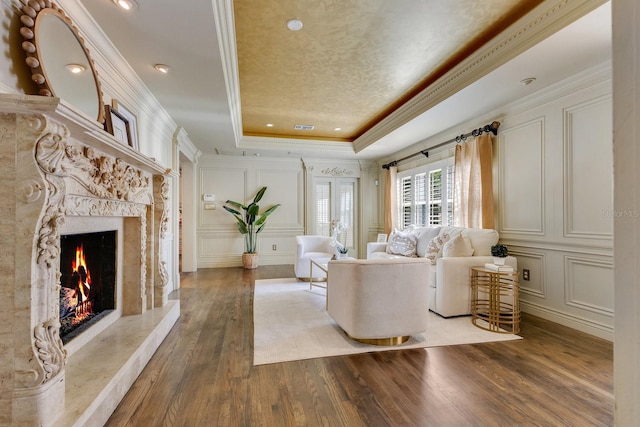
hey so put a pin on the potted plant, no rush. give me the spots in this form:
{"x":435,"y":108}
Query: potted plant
{"x":342,"y":251}
{"x":337,"y":228}
{"x":499,"y":253}
{"x":250,"y":223}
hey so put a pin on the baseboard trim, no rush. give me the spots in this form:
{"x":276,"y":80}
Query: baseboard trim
{"x":581,"y":324}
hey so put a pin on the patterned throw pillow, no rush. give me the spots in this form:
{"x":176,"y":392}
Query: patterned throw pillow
{"x":402,"y":244}
{"x":434,"y":249}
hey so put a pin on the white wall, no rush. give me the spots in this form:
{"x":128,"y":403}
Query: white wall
{"x":553,"y":178}
{"x":555,"y":210}
{"x":219,"y":244}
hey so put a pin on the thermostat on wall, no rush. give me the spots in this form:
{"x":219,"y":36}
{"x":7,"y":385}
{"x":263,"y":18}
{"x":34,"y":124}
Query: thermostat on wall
{"x":209,"y":197}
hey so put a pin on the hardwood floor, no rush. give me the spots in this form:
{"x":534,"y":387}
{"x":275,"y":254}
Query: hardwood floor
{"x":203,"y":375}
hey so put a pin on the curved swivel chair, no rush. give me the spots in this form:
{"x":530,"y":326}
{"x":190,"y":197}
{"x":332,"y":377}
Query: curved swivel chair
{"x":379,"y":301}
{"x":312,"y":247}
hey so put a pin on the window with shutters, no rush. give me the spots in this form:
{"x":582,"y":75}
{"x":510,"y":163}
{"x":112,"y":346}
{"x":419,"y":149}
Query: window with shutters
{"x":405,"y":200}
{"x":426,"y":195}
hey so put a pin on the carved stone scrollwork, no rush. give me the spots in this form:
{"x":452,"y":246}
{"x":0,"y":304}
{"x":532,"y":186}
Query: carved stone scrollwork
{"x":164,"y":196}
{"x":88,"y":206}
{"x":49,"y":156}
{"x":100,"y":175}
{"x":51,"y":353}
{"x":161,"y":190}
{"x":31,"y":191}
{"x":49,"y":236}
{"x":164,"y":274}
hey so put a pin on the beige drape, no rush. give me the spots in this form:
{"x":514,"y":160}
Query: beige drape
{"x":473,"y":200}
{"x":391,"y":200}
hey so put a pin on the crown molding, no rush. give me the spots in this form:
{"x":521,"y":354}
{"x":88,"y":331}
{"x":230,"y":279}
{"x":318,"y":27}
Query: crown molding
{"x":186,"y":147}
{"x":262,"y":143}
{"x":225,"y":31}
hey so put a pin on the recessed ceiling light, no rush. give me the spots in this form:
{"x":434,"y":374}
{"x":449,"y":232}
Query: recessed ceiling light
{"x":337,"y":128}
{"x":294,"y":24}
{"x":75,"y":68}
{"x":126,"y":4}
{"x":269,"y":125}
{"x":164,"y":69}
{"x":527,"y":81}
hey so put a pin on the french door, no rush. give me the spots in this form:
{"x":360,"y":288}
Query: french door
{"x":335,"y":199}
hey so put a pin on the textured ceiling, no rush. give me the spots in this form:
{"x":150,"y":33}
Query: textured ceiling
{"x":352,"y":63}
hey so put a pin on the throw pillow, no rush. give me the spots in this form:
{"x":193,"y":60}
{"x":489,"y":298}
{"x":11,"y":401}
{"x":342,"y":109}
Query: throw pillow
{"x":424,"y":237}
{"x":434,"y":249}
{"x":481,"y":240}
{"x":457,"y":247}
{"x":402,"y":244}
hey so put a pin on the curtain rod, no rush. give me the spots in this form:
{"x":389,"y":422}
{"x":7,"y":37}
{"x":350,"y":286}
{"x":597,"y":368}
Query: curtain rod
{"x":492,"y":127}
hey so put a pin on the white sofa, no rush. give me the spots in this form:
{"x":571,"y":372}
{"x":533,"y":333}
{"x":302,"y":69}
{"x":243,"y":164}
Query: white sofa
{"x":379,"y":301}
{"x":449,"y":282}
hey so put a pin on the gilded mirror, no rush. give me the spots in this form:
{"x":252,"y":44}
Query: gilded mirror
{"x":54,"y":48}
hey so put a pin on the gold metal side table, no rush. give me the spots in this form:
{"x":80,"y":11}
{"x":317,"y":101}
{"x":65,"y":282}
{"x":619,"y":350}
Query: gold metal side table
{"x":494,"y":300}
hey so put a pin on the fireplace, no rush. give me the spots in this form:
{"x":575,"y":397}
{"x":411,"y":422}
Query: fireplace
{"x":87,"y":280}
{"x":84,"y":241}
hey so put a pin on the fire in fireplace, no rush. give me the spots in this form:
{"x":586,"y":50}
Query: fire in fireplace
{"x":87,"y":281}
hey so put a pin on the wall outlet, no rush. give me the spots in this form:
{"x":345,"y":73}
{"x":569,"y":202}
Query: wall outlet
{"x":525,"y":274}
{"x":274,"y":248}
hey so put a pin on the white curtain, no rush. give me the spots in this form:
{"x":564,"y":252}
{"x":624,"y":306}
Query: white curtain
{"x":473,"y":200}
{"x":391,"y":200}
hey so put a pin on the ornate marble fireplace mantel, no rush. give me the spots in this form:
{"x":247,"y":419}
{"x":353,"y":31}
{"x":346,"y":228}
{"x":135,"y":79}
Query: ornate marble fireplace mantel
{"x":60,"y":171}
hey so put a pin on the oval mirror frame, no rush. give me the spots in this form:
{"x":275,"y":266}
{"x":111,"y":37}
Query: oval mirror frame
{"x":33,"y":12}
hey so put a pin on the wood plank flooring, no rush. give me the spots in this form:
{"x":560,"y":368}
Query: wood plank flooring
{"x":203,"y":375}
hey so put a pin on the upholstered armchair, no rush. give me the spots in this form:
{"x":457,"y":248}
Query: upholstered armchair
{"x":312,"y":247}
{"x":379,"y":301}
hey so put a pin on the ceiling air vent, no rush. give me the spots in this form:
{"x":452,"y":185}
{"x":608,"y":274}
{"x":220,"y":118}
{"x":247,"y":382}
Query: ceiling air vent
{"x":304,"y":127}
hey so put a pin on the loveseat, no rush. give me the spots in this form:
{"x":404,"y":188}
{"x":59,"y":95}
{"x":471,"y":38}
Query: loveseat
{"x":453,"y":251}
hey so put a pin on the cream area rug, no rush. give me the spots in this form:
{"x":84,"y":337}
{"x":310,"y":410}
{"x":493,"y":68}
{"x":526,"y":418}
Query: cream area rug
{"x":291,"y":323}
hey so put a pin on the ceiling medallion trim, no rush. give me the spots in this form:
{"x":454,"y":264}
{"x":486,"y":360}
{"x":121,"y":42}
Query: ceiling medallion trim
{"x":540,"y":23}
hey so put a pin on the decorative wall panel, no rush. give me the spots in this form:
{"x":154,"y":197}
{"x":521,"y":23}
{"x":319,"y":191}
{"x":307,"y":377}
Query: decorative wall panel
{"x":588,"y":169}
{"x":521,"y":193}
{"x":589,"y":284}
{"x":284,"y":187}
